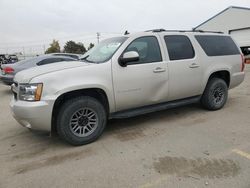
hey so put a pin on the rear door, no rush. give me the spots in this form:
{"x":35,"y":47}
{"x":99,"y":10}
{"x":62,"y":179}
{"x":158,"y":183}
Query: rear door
{"x":185,"y":72}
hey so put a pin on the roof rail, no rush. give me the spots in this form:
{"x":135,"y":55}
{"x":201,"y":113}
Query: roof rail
{"x":193,"y":30}
{"x":202,"y":31}
{"x":156,"y":30}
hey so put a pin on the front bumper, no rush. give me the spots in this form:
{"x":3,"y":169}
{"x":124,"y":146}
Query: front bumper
{"x":33,"y":115}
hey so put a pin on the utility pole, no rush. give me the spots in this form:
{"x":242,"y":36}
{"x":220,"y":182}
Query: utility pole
{"x":24,"y":53}
{"x":44,"y":48}
{"x":98,"y":36}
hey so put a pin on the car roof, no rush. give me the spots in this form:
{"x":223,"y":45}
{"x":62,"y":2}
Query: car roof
{"x":40,"y":58}
{"x":57,"y":56}
{"x":171,"y":32}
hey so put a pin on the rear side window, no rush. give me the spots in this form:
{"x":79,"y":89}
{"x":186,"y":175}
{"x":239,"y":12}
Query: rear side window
{"x":215,"y":45}
{"x":179,"y":47}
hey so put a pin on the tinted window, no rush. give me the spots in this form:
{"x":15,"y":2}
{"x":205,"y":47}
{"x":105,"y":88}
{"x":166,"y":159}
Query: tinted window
{"x":179,"y":47}
{"x":49,"y":60}
{"x":217,"y":45}
{"x":148,"y":49}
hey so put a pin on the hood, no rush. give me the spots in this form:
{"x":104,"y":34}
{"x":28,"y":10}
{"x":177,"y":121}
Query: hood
{"x":25,"y":76}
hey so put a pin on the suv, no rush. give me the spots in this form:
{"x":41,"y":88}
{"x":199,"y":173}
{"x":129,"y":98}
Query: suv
{"x":127,"y":76}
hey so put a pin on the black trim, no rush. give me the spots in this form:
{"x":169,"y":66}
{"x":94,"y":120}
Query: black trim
{"x":239,"y":29}
{"x":154,"y":108}
{"x":235,"y":7}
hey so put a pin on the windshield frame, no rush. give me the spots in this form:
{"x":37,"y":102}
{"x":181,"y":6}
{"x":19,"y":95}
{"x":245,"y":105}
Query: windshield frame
{"x":87,"y":54}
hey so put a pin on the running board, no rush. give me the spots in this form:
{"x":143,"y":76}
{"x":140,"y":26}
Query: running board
{"x":153,"y":108}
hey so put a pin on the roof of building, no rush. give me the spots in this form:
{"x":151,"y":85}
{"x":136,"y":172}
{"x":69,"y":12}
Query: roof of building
{"x":231,"y":7}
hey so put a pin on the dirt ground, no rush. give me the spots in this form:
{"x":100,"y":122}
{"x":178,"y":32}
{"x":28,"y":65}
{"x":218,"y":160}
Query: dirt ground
{"x":183,"y":147}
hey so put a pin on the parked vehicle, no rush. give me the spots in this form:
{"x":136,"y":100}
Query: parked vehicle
{"x":7,"y":59}
{"x":127,"y":76}
{"x":247,"y":59}
{"x":8,"y":71}
{"x":75,"y":56}
{"x":13,"y":59}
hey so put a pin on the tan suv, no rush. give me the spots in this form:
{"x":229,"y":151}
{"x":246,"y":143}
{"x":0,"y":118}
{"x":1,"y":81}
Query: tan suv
{"x":127,"y":76}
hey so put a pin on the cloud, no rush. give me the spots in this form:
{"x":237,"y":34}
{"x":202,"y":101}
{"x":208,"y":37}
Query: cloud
{"x":38,"y":22}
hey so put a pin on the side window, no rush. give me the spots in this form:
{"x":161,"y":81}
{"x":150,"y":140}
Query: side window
{"x":148,"y":49}
{"x":48,"y":61}
{"x":179,"y":47}
{"x":215,"y":45}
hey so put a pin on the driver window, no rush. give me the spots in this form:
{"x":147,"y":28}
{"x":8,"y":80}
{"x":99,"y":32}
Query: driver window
{"x":148,"y":49}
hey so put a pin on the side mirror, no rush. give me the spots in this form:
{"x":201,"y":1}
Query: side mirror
{"x":128,"y":57}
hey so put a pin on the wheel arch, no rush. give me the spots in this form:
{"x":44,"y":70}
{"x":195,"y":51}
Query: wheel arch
{"x":96,"y":93}
{"x":223,"y":74}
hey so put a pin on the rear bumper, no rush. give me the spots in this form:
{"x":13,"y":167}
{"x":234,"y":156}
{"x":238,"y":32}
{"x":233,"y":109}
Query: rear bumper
{"x":33,"y":115}
{"x":236,"y":79}
{"x":7,"y":79}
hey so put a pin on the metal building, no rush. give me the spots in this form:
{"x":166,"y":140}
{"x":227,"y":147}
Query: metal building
{"x":233,"y":20}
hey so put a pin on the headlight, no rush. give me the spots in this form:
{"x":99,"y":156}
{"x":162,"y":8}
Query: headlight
{"x":30,"y":92}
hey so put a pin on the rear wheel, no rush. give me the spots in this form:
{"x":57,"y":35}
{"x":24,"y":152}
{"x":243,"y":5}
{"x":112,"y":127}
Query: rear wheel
{"x":81,"y":120}
{"x":215,"y":94}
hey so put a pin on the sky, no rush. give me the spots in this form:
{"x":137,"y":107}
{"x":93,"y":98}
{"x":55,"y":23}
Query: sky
{"x":34,"y":23}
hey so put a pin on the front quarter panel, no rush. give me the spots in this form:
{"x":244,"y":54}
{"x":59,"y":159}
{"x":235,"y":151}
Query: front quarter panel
{"x":92,"y":76}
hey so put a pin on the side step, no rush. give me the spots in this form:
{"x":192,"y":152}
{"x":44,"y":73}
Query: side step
{"x":153,"y":108}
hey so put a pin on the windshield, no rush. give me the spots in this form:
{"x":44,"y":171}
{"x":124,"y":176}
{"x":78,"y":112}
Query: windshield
{"x":104,"y":50}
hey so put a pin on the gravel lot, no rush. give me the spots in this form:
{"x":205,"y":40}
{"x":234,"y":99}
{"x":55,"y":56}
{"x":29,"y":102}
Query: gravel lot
{"x":184,"y":147}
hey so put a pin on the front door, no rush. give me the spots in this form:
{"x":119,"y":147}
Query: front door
{"x":142,"y":82}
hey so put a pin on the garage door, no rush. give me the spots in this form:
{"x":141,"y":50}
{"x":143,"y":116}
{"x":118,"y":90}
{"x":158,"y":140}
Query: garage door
{"x":242,"y":36}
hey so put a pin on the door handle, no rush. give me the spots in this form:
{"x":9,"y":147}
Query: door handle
{"x":159,"y":69}
{"x":194,"y":65}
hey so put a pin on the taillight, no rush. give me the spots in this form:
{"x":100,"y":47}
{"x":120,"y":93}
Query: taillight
{"x":8,"y":70}
{"x":242,"y":63}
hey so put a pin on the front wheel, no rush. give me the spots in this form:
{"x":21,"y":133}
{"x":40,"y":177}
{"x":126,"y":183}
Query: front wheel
{"x":81,"y":120}
{"x":215,"y":94}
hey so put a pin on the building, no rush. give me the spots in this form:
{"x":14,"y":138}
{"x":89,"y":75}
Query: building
{"x":234,"y":21}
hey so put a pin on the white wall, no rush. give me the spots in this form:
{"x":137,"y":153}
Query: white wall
{"x":233,"y":18}
{"x":242,"y":37}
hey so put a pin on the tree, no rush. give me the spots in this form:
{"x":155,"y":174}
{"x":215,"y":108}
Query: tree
{"x":91,"y":45}
{"x":73,"y":47}
{"x":54,"y":47}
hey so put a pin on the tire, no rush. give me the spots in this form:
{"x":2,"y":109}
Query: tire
{"x":81,"y":120}
{"x":215,"y":94}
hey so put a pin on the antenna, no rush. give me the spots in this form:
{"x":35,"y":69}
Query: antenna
{"x":126,"y":32}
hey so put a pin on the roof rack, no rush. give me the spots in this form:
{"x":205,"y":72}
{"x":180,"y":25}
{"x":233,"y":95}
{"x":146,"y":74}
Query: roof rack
{"x":202,"y":31}
{"x":183,"y":31}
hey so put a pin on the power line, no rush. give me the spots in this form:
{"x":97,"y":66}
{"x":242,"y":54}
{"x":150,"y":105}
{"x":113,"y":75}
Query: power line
{"x":47,"y":41}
